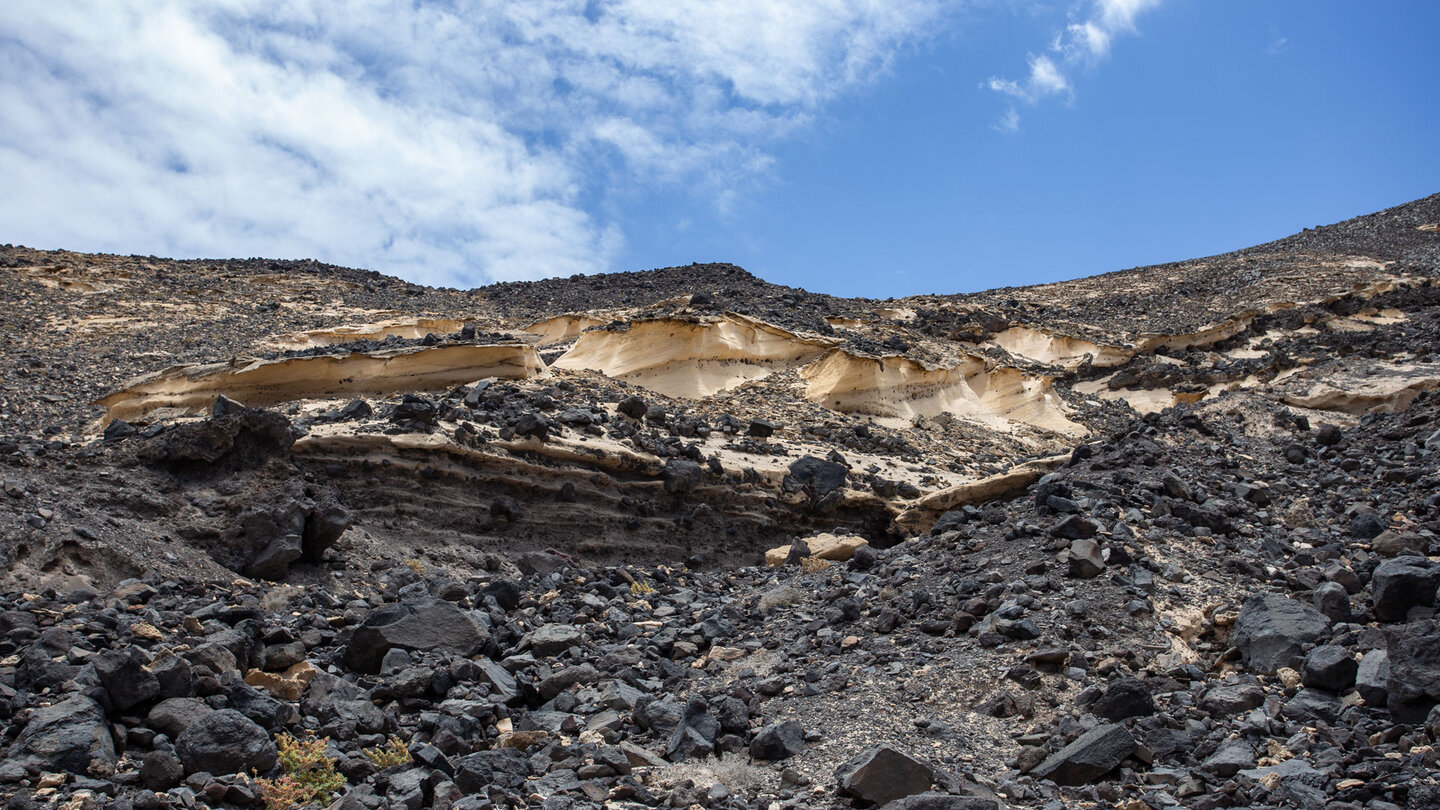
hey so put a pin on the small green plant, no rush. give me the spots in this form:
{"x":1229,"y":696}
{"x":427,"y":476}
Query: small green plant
{"x":415,"y":565}
{"x":640,"y":588}
{"x":392,"y":753}
{"x":309,"y":775}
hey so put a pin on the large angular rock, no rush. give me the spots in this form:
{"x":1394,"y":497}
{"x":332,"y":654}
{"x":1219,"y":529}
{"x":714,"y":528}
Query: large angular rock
{"x":1124,"y":698}
{"x":423,"y":625}
{"x":70,"y":736}
{"x":1403,"y":583}
{"x":1230,"y":759}
{"x":1414,"y":655}
{"x":1086,"y":561}
{"x":778,"y":741}
{"x":551,"y":639}
{"x":681,"y":476}
{"x":125,"y":678}
{"x":1372,"y":678}
{"x":503,"y":768}
{"x":173,"y":715}
{"x":881,"y":774}
{"x":1228,"y":700}
{"x":1330,"y":667}
{"x":1273,"y":631}
{"x":825,"y":546}
{"x":819,"y":476}
{"x":1091,"y":756}
{"x":695,"y":735}
{"x":225,"y":742}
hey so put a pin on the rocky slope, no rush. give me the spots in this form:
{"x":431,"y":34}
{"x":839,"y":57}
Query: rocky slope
{"x":1162,"y":537}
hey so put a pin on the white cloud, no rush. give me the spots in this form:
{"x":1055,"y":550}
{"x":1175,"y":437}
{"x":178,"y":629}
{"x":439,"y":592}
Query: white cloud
{"x":1045,"y":79}
{"x":1278,"y":44}
{"x":449,"y":143}
{"x":1080,"y":44}
{"x":1009,"y":122}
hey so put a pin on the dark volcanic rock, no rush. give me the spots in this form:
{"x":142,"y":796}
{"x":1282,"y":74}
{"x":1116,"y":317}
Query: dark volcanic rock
{"x":1403,"y":583}
{"x":819,"y":476}
{"x":1372,"y":677}
{"x":225,"y":742}
{"x":70,"y":736}
{"x":1413,"y":652}
{"x":1231,"y":699}
{"x":1125,"y":698}
{"x":681,"y":476}
{"x":242,"y":438}
{"x":1273,"y":631}
{"x":422,"y":625}
{"x":125,"y":678}
{"x":882,"y":774}
{"x":778,"y":741}
{"x":696,"y":733}
{"x":1330,"y":667}
{"x":505,"y":769}
{"x":174,"y":715}
{"x":1091,"y":756}
{"x":1085,"y":559}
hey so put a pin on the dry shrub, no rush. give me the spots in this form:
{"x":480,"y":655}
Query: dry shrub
{"x":738,"y":773}
{"x":814,"y":565}
{"x":782,"y":596}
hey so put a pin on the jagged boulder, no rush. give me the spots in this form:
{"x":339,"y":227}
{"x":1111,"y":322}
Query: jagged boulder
{"x":1402,"y":583}
{"x":225,"y":742}
{"x":423,"y":625}
{"x":1273,"y":631}
{"x":778,"y":741}
{"x":817,"y":475}
{"x":235,"y":438}
{"x":1091,"y":756}
{"x":882,"y":774}
{"x":70,"y":736}
{"x":1413,"y":653}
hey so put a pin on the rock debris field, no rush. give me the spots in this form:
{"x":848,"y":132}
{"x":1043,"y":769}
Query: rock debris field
{"x":279,"y":533}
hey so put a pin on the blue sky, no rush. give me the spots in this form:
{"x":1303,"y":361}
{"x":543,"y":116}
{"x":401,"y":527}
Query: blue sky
{"x":858,"y":147}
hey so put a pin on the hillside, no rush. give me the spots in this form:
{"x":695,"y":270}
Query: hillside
{"x":1161,"y":537}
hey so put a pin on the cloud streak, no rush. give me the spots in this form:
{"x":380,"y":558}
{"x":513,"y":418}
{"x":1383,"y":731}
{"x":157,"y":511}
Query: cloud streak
{"x":1080,"y":45}
{"x":449,"y":143}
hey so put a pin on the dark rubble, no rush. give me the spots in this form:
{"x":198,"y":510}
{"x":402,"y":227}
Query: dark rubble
{"x":1231,"y":603}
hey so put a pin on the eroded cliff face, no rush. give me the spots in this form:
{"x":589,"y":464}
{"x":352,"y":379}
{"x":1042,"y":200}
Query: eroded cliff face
{"x":1144,"y":539}
{"x":669,"y":416}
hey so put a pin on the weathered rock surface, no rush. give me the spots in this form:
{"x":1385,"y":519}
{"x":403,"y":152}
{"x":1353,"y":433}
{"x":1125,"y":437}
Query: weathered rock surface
{"x":1274,"y":630}
{"x":422,"y":625}
{"x":882,"y":774}
{"x":1089,"y":757}
{"x":1099,"y":555}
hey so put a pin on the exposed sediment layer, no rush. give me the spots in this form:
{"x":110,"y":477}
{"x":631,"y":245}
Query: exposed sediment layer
{"x":691,"y":358}
{"x":1390,"y":390}
{"x":898,"y":387}
{"x":1056,"y":349}
{"x":561,"y":328}
{"x":268,"y":382}
{"x":602,"y":502}
{"x":407,"y":328}
{"x":922,"y":514}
